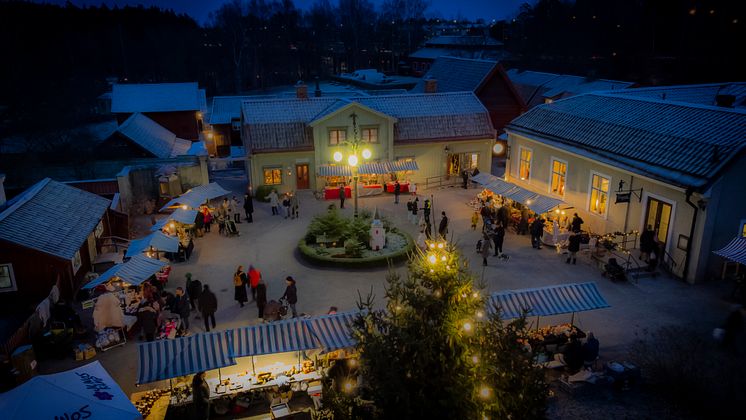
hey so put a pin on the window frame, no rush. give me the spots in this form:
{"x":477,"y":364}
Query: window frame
{"x":520,"y":162}
{"x":13,"y":285}
{"x":742,"y":229}
{"x":593,"y":173}
{"x":552,"y":173}
{"x":370,"y":127}
{"x":336,"y":129}
{"x":271,"y":168}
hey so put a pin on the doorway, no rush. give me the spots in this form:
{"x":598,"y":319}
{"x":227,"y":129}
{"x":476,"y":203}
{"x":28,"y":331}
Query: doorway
{"x":301,"y":177}
{"x":658,"y":215}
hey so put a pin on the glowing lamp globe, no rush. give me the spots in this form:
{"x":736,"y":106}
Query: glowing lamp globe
{"x":498,"y":148}
{"x":337,"y":156}
{"x":366,"y":154}
{"x":352,"y":160}
{"x":467,"y":326}
{"x":432,"y":259}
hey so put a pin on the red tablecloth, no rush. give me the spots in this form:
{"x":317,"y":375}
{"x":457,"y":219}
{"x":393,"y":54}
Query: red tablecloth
{"x":403,"y":187}
{"x":333,"y":193}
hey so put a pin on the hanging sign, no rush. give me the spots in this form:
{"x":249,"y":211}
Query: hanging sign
{"x":623,"y":197}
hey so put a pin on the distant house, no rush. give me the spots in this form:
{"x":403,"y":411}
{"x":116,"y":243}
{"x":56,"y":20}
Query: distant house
{"x":479,"y":47}
{"x":179,"y":107}
{"x":485,"y":78}
{"x":141,"y":137}
{"x":681,"y":149}
{"x":51,"y":231}
{"x":540,"y":88}
{"x":372,"y":79}
{"x":225,"y":121}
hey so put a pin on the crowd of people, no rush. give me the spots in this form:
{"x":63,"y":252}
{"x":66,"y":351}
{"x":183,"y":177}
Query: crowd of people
{"x":226,"y":215}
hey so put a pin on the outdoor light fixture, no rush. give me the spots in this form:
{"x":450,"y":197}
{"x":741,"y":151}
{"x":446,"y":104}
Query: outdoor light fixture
{"x":184,"y":207}
{"x":337,"y":156}
{"x":348,"y":386}
{"x":485,"y":392}
{"x":480,"y":314}
{"x":172,"y":225}
{"x":432,"y":259}
{"x":352,"y":160}
{"x":366,"y":154}
{"x":467,"y":326}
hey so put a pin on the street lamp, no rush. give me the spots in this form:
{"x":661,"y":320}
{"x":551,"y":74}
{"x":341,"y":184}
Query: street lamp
{"x":352,"y":158}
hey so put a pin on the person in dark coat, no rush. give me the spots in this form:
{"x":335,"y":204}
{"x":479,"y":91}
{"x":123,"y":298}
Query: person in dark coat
{"x":415,"y":209}
{"x":208,"y":305}
{"x":248,"y":206}
{"x":465,"y":177}
{"x":443,"y":227}
{"x":573,"y":246}
{"x":147,"y":315}
{"x":537,"y":232}
{"x":261,"y":297}
{"x":342,"y":196}
{"x":426,"y":209}
{"x":647,"y":243}
{"x":239,"y":285}
{"x":193,"y":289}
{"x":499,"y":238}
{"x":573,"y":355}
{"x":577,"y":222}
{"x":397,"y":191}
{"x":590,"y":348}
{"x":485,"y":249}
{"x":181,"y":306}
{"x":291,"y":294}
{"x":200,"y":397}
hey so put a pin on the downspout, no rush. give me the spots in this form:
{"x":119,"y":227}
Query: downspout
{"x":691,"y":233}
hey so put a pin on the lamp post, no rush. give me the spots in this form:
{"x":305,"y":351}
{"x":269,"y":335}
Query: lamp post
{"x":353,"y":147}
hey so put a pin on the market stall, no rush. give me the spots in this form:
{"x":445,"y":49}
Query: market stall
{"x":156,"y":243}
{"x":83,"y":392}
{"x":334,"y":176}
{"x":333,"y":331}
{"x":197,"y":196}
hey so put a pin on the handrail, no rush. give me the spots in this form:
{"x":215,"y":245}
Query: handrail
{"x":440,"y":181}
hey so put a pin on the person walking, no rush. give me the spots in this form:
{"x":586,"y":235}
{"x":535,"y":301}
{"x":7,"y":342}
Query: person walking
{"x":248,"y":206}
{"x":208,"y":305}
{"x":193,"y":289}
{"x":443,"y":227}
{"x":207,"y":219}
{"x":255,"y":276}
{"x":234,"y":210}
{"x":426,"y":210}
{"x":291,"y":294}
{"x":274,"y":201}
{"x":537,"y":232}
{"x":499,"y":238}
{"x":201,"y":396}
{"x":573,"y":246}
{"x":181,"y":307}
{"x":397,"y":191}
{"x":261,"y":297}
{"x":294,"y":205}
{"x":486,"y":248}
{"x":342,"y":195}
{"x":415,"y":210}
{"x":576,"y":223}
{"x":239,"y":284}
{"x":647,"y":243}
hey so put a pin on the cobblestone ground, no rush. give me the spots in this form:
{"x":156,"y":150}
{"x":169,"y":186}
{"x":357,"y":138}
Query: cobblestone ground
{"x":270,"y":244}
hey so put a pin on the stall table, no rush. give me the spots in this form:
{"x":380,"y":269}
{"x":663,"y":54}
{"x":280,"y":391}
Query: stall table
{"x":403,"y":187}
{"x":332,"y":193}
{"x":159,"y":407}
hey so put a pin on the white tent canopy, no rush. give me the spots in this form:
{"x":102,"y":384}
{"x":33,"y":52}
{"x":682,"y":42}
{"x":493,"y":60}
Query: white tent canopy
{"x":158,"y":240}
{"x":197,"y":196}
{"x":84,"y":392}
{"x":186,"y":217}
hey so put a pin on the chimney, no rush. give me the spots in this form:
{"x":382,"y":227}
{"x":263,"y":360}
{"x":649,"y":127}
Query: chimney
{"x":431,"y":85}
{"x":726,"y":101}
{"x":317,"y":92}
{"x":3,"y":199}
{"x":301,"y":90}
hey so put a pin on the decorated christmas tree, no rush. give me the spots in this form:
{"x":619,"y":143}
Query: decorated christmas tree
{"x":434,"y":352}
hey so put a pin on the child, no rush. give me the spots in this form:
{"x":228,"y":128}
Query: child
{"x":474,"y":220}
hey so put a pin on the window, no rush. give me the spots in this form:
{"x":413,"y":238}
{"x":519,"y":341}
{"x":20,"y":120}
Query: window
{"x":559,"y":177}
{"x":460,"y":162}
{"x":272,"y":176}
{"x":337,"y":136}
{"x":236,"y":125}
{"x":524,"y":166}
{"x":369,"y":135}
{"x":599,"y":194}
{"x":742,"y":231}
{"x":7,"y":281}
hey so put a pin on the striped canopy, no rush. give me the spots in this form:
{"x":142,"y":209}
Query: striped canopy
{"x":334,"y":170}
{"x":550,"y":300}
{"x":542,"y":204}
{"x":521,"y":195}
{"x":273,"y":337}
{"x":484,"y":178}
{"x":158,"y":240}
{"x":374,"y":168}
{"x":333,"y":331}
{"x":165,"y":359}
{"x":135,"y":271}
{"x":500,"y":187}
{"x":198,"y":195}
{"x":735,"y":251}
{"x":186,"y":217}
{"x":404,"y":165}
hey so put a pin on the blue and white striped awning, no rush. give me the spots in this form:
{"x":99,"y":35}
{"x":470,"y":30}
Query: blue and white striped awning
{"x":333,"y":331}
{"x":500,"y":187}
{"x":334,"y":170}
{"x":374,"y":168}
{"x":274,"y":337}
{"x":165,"y":359}
{"x":403,"y":165}
{"x":484,"y":178}
{"x":198,"y":195}
{"x":135,"y":271}
{"x":521,"y":195}
{"x":542,"y":204}
{"x":734,"y":251}
{"x":186,"y":217}
{"x":550,"y":300}
{"x":158,"y":240}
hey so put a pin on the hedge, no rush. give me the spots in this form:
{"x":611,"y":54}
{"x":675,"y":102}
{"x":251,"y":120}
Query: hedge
{"x":309,"y":254}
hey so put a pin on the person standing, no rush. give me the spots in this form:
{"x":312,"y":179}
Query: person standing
{"x":415,"y":209}
{"x":286,"y":205}
{"x":181,"y":307}
{"x":443,"y":227}
{"x":647,"y":243}
{"x":486,"y":248}
{"x":255,"y":276}
{"x":409,"y":210}
{"x":208,"y":305}
{"x":248,"y":206}
{"x":193,"y":289}
{"x":499,"y":238}
{"x":413,"y":188}
{"x":225,"y":206}
{"x":474,"y":220}
{"x":573,"y":246}
{"x":234,"y":210}
{"x":294,"y":205}
{"x":291,"y":294}
{"x":207,"y":218}
{"x":537,"y":232}
{"x":397,"y":191}
{"x":274,"y":201}
{"x":261,"y":297}
{"x":465,"y":177}
{"x":342,"y":195}
{"x":576,"y":223}
{"x":147,"y":315}
{"x":201,"y":396}
{"x":239,"y":284}
{"x":426,"y":210}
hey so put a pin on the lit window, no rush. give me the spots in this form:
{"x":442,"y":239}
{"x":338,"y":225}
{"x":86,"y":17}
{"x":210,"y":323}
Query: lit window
{"x":272,"y":176}
{"x":524,"y":167}
{"x":7,"y":281}
{"x":369,"y":135}
{"x":599,"y":194}
{"x":337,"y":136}
{"x":559,"y":176}
{"x":743,"y":228}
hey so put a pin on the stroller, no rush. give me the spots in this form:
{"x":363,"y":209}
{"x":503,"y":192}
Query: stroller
{"x":231,"y":229}
{"x":274,"y":310}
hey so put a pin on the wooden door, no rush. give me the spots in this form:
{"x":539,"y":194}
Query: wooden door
{"x":659,"y":217}
{"x":301,"y":177}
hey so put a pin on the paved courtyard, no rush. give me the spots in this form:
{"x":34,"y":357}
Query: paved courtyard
{"x":270,"y":244}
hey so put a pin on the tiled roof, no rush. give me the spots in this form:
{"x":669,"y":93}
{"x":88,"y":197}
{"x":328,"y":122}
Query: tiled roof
{"x":227,"y":108}
{"x":536,"y":86}
{"x":457,"y":74}
{"x":694,"y":94}
{"x":52,"y":217}
{"x":153,"y":137}
{"x":157,"y":97}
{"x":681,"y":144}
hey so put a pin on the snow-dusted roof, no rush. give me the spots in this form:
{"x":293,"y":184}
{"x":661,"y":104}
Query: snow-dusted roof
{"x":432,"y":53}
{"x":704,"y":94}
{"x":457,"y":74}
{"x":682,"y":144}
{"x":536,"y":86}
{"x":227,"y":108}
{"x":52,"y":217}
{"x":153,"y":137}
{"x":157,"y":97}
{"x":464,"y":41}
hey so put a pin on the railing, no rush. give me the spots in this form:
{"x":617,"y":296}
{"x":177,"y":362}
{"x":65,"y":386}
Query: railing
{"x":115,"y":242}
{"x":441,"y":181}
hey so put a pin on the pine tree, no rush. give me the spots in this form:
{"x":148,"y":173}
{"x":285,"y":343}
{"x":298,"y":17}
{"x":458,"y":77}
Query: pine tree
{"x":434,"y":353}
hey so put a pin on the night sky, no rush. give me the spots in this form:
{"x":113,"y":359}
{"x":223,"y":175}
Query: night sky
{"x":199,"y":9}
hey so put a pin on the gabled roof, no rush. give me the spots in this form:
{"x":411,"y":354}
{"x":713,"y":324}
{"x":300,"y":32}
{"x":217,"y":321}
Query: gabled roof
{"x":455,"y":74}
{"x":153,"y":137}
{"x":704,"y":94}
{"x":52,"y":217}
{"x":227,"y":108}
{"x":681,"y":144}
{"x":157,"y":97}
{"x":536,"y":86}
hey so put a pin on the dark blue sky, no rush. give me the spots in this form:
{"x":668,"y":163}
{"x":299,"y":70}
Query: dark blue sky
{"x":471,"y":9}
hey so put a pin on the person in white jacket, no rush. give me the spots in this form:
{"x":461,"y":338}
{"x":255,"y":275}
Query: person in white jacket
{"x":274,"y":201}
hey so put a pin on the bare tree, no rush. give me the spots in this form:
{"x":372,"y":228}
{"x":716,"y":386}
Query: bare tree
{"x":231,"y":20}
